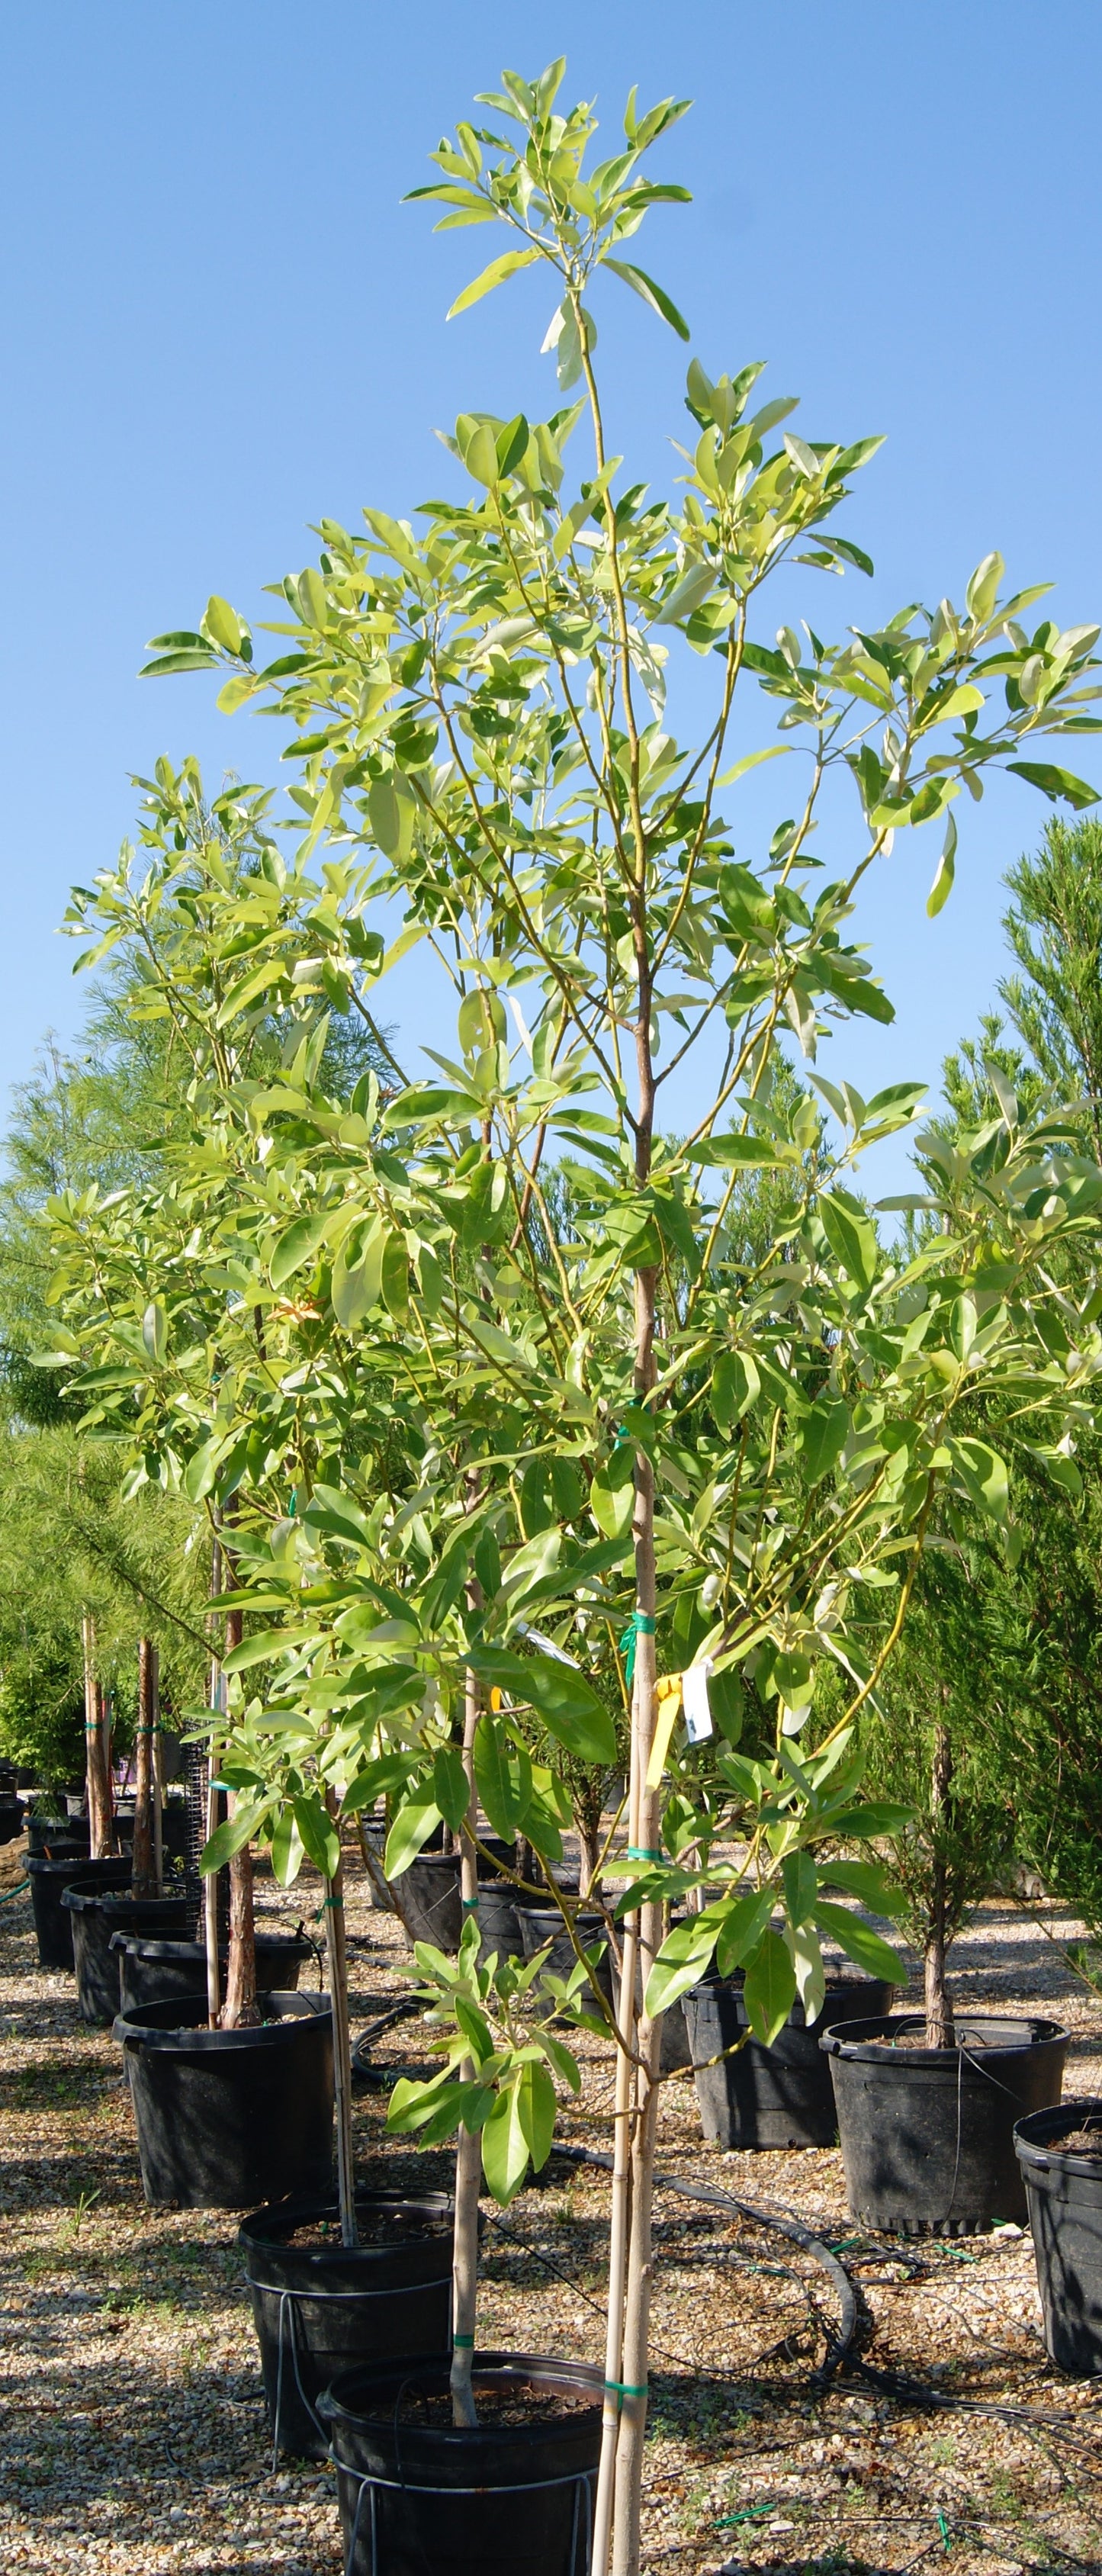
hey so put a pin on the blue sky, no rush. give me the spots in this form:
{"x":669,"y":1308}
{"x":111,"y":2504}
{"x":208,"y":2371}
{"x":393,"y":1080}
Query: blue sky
{"x":220,"y":324}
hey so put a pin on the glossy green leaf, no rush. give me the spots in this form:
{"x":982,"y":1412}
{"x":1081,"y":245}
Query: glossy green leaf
{"x":503,"y":1777}
{"x":409,"y":1833}
{"x":769,"y":1991}
{"x":298,"y":1245}
{"x":860,"y":1942}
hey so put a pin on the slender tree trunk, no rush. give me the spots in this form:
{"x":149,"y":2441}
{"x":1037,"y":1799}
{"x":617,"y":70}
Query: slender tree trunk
{"x":100,"y":1822}
{"x":210,"y":1904}
{"x":145,"y":1876}
{"x":647,"y":1807}
{"x":337,"y":1959}
{"x":468,"y":2156}
{"x":939,"y":2008}
{"x":158,"y":1779}
{"x":240,"y":2009}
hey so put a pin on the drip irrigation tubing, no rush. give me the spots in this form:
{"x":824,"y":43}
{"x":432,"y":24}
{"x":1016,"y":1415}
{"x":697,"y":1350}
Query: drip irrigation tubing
{"x":840,"y":2345}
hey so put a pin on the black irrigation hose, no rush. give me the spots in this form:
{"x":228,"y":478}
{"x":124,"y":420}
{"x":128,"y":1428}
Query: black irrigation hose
{"x":840,"y":2351}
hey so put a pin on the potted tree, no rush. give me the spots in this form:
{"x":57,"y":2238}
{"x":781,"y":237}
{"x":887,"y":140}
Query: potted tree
{"x":478,"y":711}
{"x":927,"y":2103}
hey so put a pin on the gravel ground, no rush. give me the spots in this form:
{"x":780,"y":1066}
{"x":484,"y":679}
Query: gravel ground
{"x":134,"y":2439}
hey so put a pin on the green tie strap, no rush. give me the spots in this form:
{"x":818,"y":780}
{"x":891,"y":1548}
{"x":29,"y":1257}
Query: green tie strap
{"x":639,"y":1625}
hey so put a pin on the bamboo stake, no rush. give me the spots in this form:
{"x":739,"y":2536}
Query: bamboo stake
{"x":99,"y":1808}
{"x":240,"y":2010}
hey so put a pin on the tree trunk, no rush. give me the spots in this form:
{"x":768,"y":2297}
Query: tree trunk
{"x":98,"y":1787}
{"x":939,"y":2009}
{"x":145,"y":1874}
{"x":240,"y":2010}
{"x":210,"y":1905}
{"x":468,"y":2155}
{"x":158,"y":1781}
{"x":337,"y":1959}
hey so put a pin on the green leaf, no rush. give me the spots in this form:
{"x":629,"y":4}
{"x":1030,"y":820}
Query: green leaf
{"x":983,"y":1473}
{"x":409,"y":1833}
{"x":687,"y":594}
{"x":681,"y":1962}
{"x":736,"y":1385}
{"x":770,"y":1989}
{"x":233,"y":1835}
{"x":560,"y":1695}
{"x":287,"y":1850}
{"x":319,"y":1835}
{"x":751,"y":759}
{"x":942,"y":886}
{"x":155,"y":1330}
{"x":851,"y":1237}
{"x":743,"y":1923}
{"x":505,"y":2147}
{"x":1054,"y":783}
{"x":390,"y":812}
{"x":503,"y":1777}
{"x":800,"y":1881}
{"x":449,"y":1785}
{"x":865,"y":1880}
{"x":860,"y":1942}
{"x":612,"y":1496}
{"x":223,"y":623}
{"x":261,"y":1649}
{"x":494,"y":275}
{"x":651,"y":292}
{"x":536,"y":2111}
{"x":823,"y":1436}
{"x":296,"y":1247}
{"x":356,"y":1285}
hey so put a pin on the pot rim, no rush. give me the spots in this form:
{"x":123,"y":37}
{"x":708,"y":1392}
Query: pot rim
{"x":449,"y":2439}
{"x":865,"y":2043}
{"x":135,"y":2031}
{"x":1041,"y":2155}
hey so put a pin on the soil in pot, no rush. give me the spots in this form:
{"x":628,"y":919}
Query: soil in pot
{"x":56,"y":1837}
{"x":319,"y":2307}
{"x":1060,"y":2155}
{"x":152,"y":1971}
{"x":417,"y":2493}
{"x":228,"y":2119}
{"x":928,"y":2133}
{"x":97,"y":1913}
{"x":779,"y":2096}
{"x":49,"y":1879}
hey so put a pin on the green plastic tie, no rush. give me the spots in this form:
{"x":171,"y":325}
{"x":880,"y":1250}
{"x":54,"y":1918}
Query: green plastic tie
{"x":470,"y":1905}
{"x":943,"y":2527}
{"x":640,"y":1624}
{"x":332,"y":1900}
{"x":636,"y":1851}
{"x":463,"y":2343}
{"x":623,"y":2388}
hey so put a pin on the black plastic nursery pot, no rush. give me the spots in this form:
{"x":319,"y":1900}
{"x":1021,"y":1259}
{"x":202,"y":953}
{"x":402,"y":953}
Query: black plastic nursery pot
{"x":319,"y":2308}
{"x":428,"y":1899}
{"x":500,"y":1908}
{"x":56,"y":1837}
{"x":227,"y":2119}
{"x":152,"y":1971}
{"x":780,"y":2096}
{"x":426,"y":2495}
{"x":11,"y":1816}
{"x":1063,"y":2190}
{"x":97,"y":1913}
{"x":49,"y":1879}
{"x":928,"y":2133}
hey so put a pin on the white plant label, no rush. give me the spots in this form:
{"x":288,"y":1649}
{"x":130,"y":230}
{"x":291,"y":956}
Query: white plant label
{"x":698,"y":1715}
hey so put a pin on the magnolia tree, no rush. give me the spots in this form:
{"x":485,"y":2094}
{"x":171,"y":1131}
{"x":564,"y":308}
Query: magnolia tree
{"x":522,"y":1421}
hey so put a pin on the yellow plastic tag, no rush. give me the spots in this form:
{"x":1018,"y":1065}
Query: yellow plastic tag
{"x":668,"y":1695}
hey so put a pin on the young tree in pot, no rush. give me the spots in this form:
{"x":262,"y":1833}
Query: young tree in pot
{"x":543,"y":835}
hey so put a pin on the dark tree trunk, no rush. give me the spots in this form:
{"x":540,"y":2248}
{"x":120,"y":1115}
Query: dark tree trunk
{"x":939,"y":2009}
{"x":145,"y":1870}
{"x":97,"y":1777}
{"x":240,"y":2008}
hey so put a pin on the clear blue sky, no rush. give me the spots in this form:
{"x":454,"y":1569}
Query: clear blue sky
{"x":219,"y":324}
